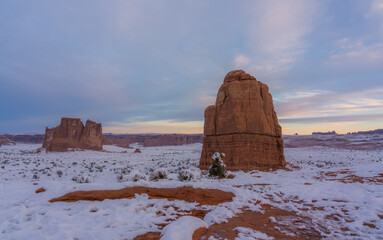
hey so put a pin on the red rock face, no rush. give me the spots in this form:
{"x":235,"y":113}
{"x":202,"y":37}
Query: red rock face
{"x":71,"y":133}
{"x":5,"y":141}
{"x":243,"y":125}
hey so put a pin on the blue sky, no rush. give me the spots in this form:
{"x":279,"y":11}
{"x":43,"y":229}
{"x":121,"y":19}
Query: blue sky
{"x":154,"y":66}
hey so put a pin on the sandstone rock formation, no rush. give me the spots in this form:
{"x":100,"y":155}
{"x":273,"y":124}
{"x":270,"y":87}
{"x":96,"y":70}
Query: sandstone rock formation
{"x":5,"y":141}
{"x":71,"y":133}
{"x":243,"y":125}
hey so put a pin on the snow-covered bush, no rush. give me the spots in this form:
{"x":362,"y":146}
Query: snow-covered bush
{"x":134,"y":176}
{"x":138,"y":177}
{"x":217,"y":168}
{"x":158,"y":174}
{"x":80,"y":179}
{"x":185,"y":175}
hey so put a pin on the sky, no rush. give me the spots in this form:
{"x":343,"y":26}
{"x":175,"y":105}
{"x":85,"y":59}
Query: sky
{"x":154,"y":66}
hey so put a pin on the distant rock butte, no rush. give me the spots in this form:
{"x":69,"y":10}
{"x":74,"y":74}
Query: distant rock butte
{"x":243,"y":125}
{"x":5,"y":141}
{"x":71,"y":133}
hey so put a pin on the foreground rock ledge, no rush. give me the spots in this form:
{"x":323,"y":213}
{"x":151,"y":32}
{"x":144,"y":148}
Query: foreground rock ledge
{"x":188,"y":194}
{"x":243,"y":125}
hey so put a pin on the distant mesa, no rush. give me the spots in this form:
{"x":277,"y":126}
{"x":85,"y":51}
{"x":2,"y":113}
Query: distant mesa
{"x":150,"y":140}
{"x":376,"y":131}
{"x":71,"y":133}
{"x":324,"y":133}
{"x":243,"y":125}
{"x":5,"y":141}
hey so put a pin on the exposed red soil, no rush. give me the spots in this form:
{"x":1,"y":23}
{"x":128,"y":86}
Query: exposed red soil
{"x":196,"y":236}
{"x":350,"y":177}
{"x":149,"y":236}
{"x":370,"y":225}
{"x":40,"y":190}
{"x":286,"y":221}
{"x":157,"y":235}
{"x":188,"y":194}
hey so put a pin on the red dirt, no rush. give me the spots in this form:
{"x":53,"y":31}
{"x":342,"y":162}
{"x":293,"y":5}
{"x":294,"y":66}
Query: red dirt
{"x":350,"y":178}
{"x":40,"y":190}
{"x":188,"y":194}
{"x":157,"y":235}
{"x":196,"y":236}
{"x":370,"y":225}
{"x":286,"y":221}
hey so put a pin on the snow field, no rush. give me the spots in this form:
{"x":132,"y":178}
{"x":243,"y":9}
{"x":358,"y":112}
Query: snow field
{"x":331,"y":204}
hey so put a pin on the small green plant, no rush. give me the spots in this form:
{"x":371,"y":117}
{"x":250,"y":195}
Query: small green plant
{"x":217,"y":168}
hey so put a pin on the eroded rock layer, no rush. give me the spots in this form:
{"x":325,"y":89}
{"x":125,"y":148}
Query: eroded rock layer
{"x":5,"y":141}
{"x":71,"y":133}
{"x":243,"y":125}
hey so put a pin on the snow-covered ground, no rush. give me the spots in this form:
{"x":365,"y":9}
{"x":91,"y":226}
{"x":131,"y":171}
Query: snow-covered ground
{"x":341,"y":190}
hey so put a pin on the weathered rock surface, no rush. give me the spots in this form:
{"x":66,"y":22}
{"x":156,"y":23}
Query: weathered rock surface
{"x":5,"y":141}
{"x":243,"y":125}
{"x":71,"y":133}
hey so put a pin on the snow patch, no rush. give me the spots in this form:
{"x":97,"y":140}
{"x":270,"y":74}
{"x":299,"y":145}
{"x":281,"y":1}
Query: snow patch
{"x":183,"y":228}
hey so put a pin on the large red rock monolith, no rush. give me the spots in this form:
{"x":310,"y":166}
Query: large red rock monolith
{"x":243,"y":125}
{"x":71,"y":133}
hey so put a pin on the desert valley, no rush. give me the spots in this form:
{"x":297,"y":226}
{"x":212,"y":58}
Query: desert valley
{"x":80,"y":184}
{"x":191,"y":120}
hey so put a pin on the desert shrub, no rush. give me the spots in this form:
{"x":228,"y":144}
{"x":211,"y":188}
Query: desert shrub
{"x":185,"y":175}
{"x":135,"y":176}
{"x":217,"y":168}
{"x":158,"y":174}
{"x":138,"y":177}
{"x":81,"y":180}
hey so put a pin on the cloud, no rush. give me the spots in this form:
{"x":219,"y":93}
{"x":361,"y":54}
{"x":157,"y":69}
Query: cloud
{"x":355,"y":54}
{"x":343,"y":118}
{"x":300,"y":94}
{"x":376,"y":11}
{"x":163,"y":126}
{"x":241,"y":61}
{"x":277,"y":34}
{"x":377,"y":6}
{"x":320,"y":103}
